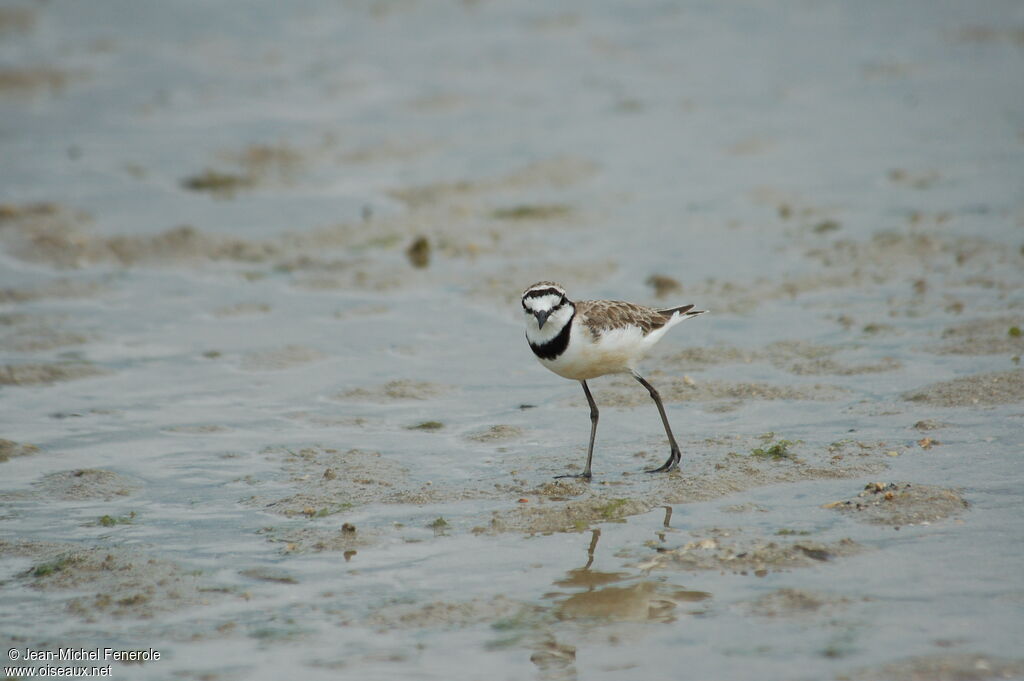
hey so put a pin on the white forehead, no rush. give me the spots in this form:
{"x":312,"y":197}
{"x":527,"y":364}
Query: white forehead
{"x":545,"y":302}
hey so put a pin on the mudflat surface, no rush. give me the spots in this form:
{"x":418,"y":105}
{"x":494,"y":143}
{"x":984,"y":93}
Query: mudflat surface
{"x":266,"y":403}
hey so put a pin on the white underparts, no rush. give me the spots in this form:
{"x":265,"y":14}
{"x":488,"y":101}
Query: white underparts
{"x":586,"y":356}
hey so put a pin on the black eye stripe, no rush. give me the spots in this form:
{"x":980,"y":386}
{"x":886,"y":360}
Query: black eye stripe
{"x":541,"y":292}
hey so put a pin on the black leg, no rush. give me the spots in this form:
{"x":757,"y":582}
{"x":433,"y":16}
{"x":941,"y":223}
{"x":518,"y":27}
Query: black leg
{"x":593,"y":433}
{"x":675,"y":455}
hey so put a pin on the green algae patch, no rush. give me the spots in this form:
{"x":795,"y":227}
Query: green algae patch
{"x":614,"y":509}
{"x":51,"y":566}
{"x":217,"y":182}
{"x":777,"y":451}
{"x":429,"y":426}
{"x":111,"y":521}
{"x":532,"y":211}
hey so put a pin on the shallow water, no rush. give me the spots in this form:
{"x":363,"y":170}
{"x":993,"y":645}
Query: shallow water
{"x":273,"y":442}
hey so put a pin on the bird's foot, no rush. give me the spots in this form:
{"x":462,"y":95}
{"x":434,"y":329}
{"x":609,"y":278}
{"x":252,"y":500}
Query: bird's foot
{"x":578,"y":476}
{"x":670,"y":465}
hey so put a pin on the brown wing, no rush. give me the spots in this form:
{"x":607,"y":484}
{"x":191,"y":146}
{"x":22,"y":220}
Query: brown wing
{"x":604,"y":315}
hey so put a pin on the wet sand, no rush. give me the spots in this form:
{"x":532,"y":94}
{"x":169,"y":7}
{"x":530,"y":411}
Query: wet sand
{"x":268,"y":408}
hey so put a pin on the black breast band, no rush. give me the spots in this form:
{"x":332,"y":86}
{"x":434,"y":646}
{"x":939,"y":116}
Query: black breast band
{"x":557,"y":345}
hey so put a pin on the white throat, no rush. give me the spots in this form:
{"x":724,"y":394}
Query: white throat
{"x":553,"y":325}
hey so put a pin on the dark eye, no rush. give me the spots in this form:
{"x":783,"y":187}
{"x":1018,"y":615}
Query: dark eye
{"x":562,"y":301}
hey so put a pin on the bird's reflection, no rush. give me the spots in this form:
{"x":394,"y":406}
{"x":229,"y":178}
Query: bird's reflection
{"x":584,"y":577}
{"x":618,"y":596}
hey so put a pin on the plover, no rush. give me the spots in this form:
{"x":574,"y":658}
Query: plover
{"x":589,"y":338}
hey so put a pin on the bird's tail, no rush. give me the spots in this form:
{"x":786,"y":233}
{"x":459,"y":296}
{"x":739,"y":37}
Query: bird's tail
{"x":685,"y":311}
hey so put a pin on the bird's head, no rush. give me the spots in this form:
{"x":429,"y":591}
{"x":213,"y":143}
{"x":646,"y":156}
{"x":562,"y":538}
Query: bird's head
{"x":546,"y":300}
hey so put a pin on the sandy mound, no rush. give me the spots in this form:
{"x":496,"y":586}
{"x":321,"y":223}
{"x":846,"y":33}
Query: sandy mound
{"x":901,"y":503}
{"x":123,"y":583}
{"x":1004,"y":387}
{"x":85,"y":483}
{"x":741,"y":555}
{"x":46,"y":373}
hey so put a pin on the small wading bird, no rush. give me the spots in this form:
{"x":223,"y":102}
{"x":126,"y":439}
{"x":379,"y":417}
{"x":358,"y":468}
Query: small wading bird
{"x":590,"y":338}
